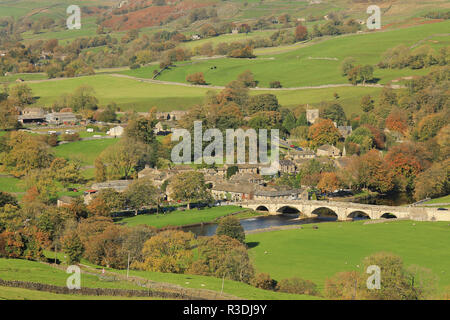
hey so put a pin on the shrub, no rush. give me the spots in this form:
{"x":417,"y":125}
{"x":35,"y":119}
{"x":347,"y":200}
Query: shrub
{"x":264,"y":281}
{"x":298,"y":286}
{"x":196,"y":78}
{"x":70,"y":137}
{"x":275,"y":84}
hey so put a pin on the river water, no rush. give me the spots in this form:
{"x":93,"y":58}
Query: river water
{"x":260,"y":223}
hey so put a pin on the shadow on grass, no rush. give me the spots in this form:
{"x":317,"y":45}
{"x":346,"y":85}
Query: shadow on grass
{"x":252,"y":244}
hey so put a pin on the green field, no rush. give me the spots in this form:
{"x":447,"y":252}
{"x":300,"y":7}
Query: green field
{"x":11,"y":184}
{"x":24,"y":76}
{"x":128,"y":93}
{"x":443,"y":199}
{"x":234,"y":288}
{"x":335,"y":247}
{"x":180,"y":218}
{"x":132,"y":94}
{"x":24,"y":270}
{"x":310,"y":65}
{"x":84,"y":151}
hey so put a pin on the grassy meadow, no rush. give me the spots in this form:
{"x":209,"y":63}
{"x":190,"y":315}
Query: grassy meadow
{"x":131,"y":94}
{"x":11,"y":184}
{"x":180,"y":218}
{"x":336,"y":247}
{"x":24,"y":270}
{"x":313,"y":65}
{"x":84,"y":151}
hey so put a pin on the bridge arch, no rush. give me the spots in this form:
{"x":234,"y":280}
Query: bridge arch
{"x":358,"y":215}
{"x":325,"y":214}
{"x":288,"y":209}
{"x":388,"y":215}
{"x":262,"y":208}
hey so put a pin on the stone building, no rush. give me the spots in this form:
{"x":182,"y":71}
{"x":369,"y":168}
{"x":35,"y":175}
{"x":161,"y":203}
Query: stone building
{"x":287,"y":166}
{"x":312,"y":115}
{"x":64,"y":201}
{"x":292,"y":194}
{"x":345,"y":131}
{"x":233,"y":191}
{"x":327,"y":150}
{"x":32,"y":115}
{"x":61,"y":118}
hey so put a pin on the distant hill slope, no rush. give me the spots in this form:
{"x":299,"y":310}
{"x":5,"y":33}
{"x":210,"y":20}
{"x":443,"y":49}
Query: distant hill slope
{"x":129,"y":14}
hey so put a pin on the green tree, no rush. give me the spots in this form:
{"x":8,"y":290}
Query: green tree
{"x":141,"y":193}
{"x":248,"y":79}
{"x":231,"y":226}
{"x":21,"y":95}
{"x":336,"y":113}
{"x":367,"y":103}
{"x":189,"y":186}
{"x":73,"y":247}
{"x":83,"y":99}
{"x":263,"y":102}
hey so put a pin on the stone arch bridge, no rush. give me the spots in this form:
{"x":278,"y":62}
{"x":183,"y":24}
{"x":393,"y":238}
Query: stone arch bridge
{"x":347,"y":210}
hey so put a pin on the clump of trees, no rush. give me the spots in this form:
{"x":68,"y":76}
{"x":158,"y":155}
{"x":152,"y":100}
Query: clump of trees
{"x":397,"y":281}
{"x":357,"y":73}
{"x":402,"y":56}
{"x":196,"y":78}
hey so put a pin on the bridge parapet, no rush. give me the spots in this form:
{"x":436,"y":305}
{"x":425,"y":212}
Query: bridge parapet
{"x":344,"y":209}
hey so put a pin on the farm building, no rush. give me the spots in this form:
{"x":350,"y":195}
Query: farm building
{"x":32,"y":115}
{"x":61,"y":118}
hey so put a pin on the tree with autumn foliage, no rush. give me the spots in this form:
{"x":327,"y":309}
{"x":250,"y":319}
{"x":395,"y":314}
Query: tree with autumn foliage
{"x":397,"y":121}
{"x":373,"y":172}
{"x":328,"y":182}
{"x":222,"y":256}
{"x":323,"y":131}
{"x":168,"y":251}
{"x":406,"y":161}
{"x":24,"y":152}
{"x":196,"y":78}
{"x":301,"y":33}
{"x":433,"y":182}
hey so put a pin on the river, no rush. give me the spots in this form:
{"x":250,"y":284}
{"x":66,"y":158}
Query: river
{"x":260,"y":223}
